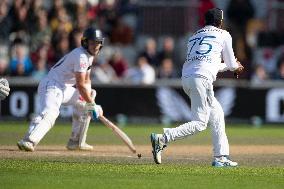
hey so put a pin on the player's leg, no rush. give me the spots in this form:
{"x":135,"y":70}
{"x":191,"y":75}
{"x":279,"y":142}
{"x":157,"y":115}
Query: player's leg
{"x":50,"y":101}
{"x":217,"y":124}
{"x":80,"y":120}
{"x":198,"y":90}
{"x":219,"y":138}
{"x":80,"y":125}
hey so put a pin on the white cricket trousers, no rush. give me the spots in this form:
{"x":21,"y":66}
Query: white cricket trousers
{"x":51,"y":96}
{"x":206,"y":110}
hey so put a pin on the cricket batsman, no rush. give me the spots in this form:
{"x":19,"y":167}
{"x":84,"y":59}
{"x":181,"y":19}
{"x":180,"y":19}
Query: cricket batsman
{"x":68,"y":82}
{"x":206,"y":50}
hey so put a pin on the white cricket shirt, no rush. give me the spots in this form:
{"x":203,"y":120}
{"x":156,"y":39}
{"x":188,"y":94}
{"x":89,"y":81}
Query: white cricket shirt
{"x":206,"y":49}
{"x":78,"y":60}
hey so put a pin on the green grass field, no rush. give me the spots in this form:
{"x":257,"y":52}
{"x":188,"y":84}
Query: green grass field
{"x":61,"y":169}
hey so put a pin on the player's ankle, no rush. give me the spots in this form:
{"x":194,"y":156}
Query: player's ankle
{"x":164,"y":139}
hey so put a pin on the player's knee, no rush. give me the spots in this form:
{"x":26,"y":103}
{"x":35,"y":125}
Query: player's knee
{"x":217,"y":118}
{"x":36,"y":119}
{"x":79,"y":109}
{"x":79,"y":106}
{"x":50,"y":116}
{"x":201,"y":126}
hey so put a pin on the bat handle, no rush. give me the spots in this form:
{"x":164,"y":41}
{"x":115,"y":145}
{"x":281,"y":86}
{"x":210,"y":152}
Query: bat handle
{"x":101,"y":117}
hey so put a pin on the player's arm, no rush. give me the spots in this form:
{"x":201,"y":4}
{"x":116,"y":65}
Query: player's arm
{"x":223,"y":67}
{"x":230,"y":61}
{"x":88,"y":79}
{"x":83,"y":84}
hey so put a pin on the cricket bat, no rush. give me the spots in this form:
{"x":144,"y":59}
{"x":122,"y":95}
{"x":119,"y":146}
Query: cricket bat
{"x":118,"y":132}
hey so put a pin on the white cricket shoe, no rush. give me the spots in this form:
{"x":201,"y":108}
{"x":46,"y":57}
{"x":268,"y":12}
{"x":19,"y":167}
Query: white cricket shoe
{"x":26,"y":146}
{"x":157,"y":147}
{"x":223,"y":161}
{"x":86,"y":147}
{"x":74,"y":145}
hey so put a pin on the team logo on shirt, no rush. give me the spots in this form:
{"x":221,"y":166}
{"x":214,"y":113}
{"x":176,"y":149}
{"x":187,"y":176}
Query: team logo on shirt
{"x":83,"y":64}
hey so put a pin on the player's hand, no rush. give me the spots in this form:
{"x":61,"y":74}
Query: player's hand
{"x":239,"y":70}
{"x":4,"y":88}
{"x":93,"y":94}
{"x":94,"y":110}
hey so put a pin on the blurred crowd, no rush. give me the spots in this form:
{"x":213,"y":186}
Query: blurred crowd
{"x":257,"y":45}
{"x":35,"y":34}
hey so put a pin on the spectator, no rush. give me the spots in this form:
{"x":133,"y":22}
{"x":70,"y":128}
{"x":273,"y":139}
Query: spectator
{"x":128,"y":10}
{"x":259,"y":75}
{"x":81,"y":22}
{"x":51,"y":59}
{"x":57,"y":4}
{"x":62,"y":46}
{"x":121,"y":33}
{"x":143,"y":73}
{"x":104,"y":73}
{"x":204,"y":6}
{"x":20,"y":64}
{"x":279,"y":74}
{"x":93,"y":9}
{"x":42,"y":32}
{"x":107,"y":15}
{"x":4,"y":61}
{"x":166,"y":69}
{"x":168,"y":52}
{"x":237,"y":8}
{"x":75,"y":38}
{"x":4,"y":65}
{"x":5,"y":22}
{"x":267,"y":58}
{"x":15,"y":9}
{"x":150,"y":52}
{"x":61,"y":23}
{"x":148,"y":72}
{"x":74,"y":8}
{"x":119,"y":64}
{"x":238,"y":25}
{"x":36,"y":6}
{"x":76,"y":34}
{"x":19,"y":14}
{"x":127,"y":7}
{"x":40,"y":64}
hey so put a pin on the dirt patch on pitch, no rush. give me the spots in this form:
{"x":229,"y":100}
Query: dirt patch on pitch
{"x":245,"y":154}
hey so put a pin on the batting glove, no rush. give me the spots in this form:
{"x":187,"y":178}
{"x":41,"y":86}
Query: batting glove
{"x":4,"y":88}
{"x":94,"y":110}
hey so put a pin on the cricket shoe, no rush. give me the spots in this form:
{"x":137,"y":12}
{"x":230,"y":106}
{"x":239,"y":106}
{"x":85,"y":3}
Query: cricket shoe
{"x":26,"y":146}
{"x":223,"y":161}
{"x":157,"y":147}
{"x":74,"y":145}
{"x":86,"y":147}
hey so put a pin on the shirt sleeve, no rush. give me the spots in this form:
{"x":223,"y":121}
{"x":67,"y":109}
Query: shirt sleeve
{"x":222,"y":67}
{"x":228,"y":54}
{"x":81,"y":63}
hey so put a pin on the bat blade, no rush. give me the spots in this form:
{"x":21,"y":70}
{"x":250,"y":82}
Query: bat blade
{"x":118,"y":132}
